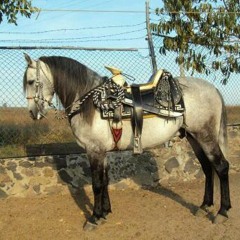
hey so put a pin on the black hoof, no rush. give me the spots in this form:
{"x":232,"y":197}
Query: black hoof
{"x":101,"y":221}
{"x":204,"y":211}
{"x":88,"y":226}
{"x":201,"y":213}
{"x":220,"y":219}
{"x":92,"y":223}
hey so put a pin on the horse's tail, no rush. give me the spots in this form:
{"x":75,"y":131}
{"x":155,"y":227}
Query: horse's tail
{"x":223,"y":128}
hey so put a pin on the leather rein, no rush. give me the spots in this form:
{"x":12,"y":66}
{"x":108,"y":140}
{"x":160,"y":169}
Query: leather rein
{"x":96,"y":92}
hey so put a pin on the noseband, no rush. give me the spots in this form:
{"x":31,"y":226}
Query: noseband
{"x":39,"y":93}
{"x":39,"y":89}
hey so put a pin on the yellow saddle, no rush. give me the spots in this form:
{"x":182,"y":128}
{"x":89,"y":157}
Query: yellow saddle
{"x":120,"y":79}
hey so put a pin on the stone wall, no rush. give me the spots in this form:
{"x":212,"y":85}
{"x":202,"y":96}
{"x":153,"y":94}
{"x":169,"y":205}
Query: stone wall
{"x":60,"y":174}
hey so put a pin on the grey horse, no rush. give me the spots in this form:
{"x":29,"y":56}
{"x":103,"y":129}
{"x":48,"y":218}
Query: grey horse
{"x":203,"y":124}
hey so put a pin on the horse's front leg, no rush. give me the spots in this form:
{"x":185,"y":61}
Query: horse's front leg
{"x":105,"y":197}
{"x":100,"y":189}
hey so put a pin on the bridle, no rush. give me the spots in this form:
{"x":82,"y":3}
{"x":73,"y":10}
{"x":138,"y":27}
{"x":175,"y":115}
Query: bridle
{"x":38,"y":97}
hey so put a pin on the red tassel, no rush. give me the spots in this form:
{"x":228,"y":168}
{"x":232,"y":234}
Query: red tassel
{"x":117,"y":133}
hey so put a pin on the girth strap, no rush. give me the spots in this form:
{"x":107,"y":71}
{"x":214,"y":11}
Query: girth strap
{"x":137,"y":118}
{"x":116,"y":126}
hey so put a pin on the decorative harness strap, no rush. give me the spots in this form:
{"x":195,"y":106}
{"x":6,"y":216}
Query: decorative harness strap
{"x":137,"y":118}
{"x":103,"y":101}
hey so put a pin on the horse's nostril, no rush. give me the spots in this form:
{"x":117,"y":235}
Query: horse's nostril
{"x":31,"y":114}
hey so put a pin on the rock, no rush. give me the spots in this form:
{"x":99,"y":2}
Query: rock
{"x":48,"y":172}
{"x":17,"y":176}
{"x":25,"y":164}
{"x":4,"y":178}
{"x":64,"y":176}
{"x":2,"y":194}
{"x":27,"y":172}
{"x":190,"y":167}
{"x":124,"y":184}
{"x":39,"y":180}
{"x":12,"y":166}
{"x":40,"y":164}
{"x":156,"y":177}
{"x":171,"y":164}
{"x":37,"y":188}
{"x":151,"y":168}
{"x":232,"y":134}
{"x":52,"y":190}
{"x":18,"y":189}
{"x":2,"y":170}
{"x":60,"y":163}
{"x":152,"y":161}
{"x":49,"y":159}
{"x":199,"y":174}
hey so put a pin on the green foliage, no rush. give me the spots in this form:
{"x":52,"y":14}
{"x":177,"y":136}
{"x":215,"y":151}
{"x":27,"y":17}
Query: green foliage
{"x":11,"y":9}
{"x":213,"y":24}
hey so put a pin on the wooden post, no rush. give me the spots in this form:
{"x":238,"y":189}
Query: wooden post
{"x":150,"y":42}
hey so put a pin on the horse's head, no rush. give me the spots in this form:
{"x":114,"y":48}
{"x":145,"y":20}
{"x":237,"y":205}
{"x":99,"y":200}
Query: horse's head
{"x":38,"y":85}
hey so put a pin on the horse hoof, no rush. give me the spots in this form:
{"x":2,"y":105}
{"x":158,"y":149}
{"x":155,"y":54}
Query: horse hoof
{"x":88,"y":226}
{"x":220,"y":219}
{"x":201,"y":213}
{"x":101,"y":221}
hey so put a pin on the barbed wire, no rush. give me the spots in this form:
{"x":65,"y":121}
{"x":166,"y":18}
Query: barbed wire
{"x":77,"y":29}
{"x":120,"y":11}
{"x":79,"y":10}
{"x":71,"y":40}
{"x":87,"y":37}
{"x":233,"y":40}
{"x":192,"y":12}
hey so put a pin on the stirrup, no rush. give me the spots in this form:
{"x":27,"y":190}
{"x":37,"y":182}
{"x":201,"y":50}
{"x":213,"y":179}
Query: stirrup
{"x":137,"y":147}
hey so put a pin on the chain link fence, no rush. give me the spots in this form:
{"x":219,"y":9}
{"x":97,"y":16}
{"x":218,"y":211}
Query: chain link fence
{"x":20,"y":136}
{"x":229,"y":91}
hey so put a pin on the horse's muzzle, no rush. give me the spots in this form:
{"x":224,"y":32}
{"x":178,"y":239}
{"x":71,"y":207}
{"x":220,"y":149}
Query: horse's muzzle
{"x":32,"y":115}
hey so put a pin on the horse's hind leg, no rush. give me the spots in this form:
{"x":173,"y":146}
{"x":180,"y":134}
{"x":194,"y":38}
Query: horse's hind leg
{"x":208,"y":171}
{"x":221,"y":167}
{"x":215,"y":156}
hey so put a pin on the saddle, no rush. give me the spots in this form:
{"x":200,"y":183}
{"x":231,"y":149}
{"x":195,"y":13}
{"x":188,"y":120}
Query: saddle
{"x":160,"y":96}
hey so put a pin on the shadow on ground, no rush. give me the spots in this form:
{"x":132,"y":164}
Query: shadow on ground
{"x":137,"y":172}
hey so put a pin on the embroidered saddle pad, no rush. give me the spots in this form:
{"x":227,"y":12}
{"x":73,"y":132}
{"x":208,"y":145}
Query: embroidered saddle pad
{"x":161,"y":96}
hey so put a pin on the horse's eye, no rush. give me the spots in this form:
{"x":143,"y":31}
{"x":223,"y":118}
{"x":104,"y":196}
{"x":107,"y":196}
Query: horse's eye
{"x":30,"y":82}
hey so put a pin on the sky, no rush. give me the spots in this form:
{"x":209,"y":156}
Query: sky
{"x":106,"y":24}
{"x":77,"y":28}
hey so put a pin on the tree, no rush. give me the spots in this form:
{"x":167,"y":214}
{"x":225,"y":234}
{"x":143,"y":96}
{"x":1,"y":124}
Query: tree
{"x":11,"y":9}
{"x":212,"y":24}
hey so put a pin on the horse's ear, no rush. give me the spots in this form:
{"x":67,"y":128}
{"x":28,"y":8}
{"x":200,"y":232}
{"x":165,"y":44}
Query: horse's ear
{"x":28,"y":59}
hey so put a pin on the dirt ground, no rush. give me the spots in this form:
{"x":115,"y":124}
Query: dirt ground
{"x":164,"y":212}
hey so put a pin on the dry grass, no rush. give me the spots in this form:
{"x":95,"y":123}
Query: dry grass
{"x":18,"y":122}
{"x":18,"y":130}
{"x":233,"y":113}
